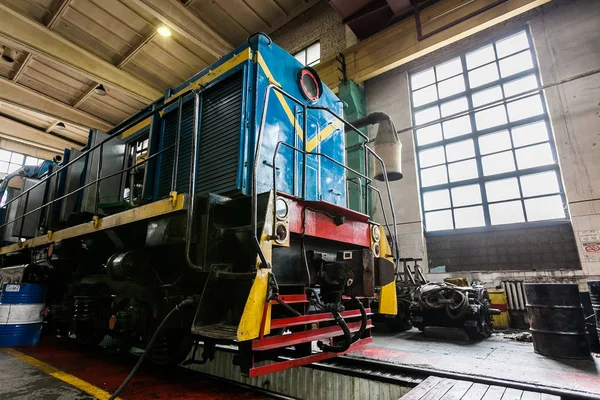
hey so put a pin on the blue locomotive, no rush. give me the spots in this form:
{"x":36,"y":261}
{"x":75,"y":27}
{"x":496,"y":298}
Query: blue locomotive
{"x":217,"y":214}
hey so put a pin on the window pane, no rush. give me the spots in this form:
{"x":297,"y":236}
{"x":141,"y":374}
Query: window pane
{"x":434,"y":176}
{"x":438,"y":220}
{"x":483,"y":75}
{"x":525,"y":108}
{"x":515,"y":64}
{"x":454,"y":106}
{"x":457,"y":127}
{"x":534,"y":156}
{"x":430,"y":157}
{"x":460,"y":150}
{"x":436,"y":200}
{"x":17,"y":158}
{"x":448,"y":69}
{"x":31,"y":161}
{"x":542,"y":208}
{"x":429,"y":134}
{"x":487,"y":96}
{"x":506,"y":213}
{"x":424,"y":96}
{"x":451,"y":86}
{"x":498,"y":163}
{"x":530,"y":134}
{"x":493,"y":142}
{"x":3,"y":167}
{"x":301,"y":56}
{"x":13,"y":167}
{"x":503,"y":189}
{"x":491,"y":117}
{"x":427,"y":115}
{"x":480,"y":56}
{"x":469,"y":217}
{"x":542,"y":183}
{"x":313,"y":54}
{"x":422,"y":78}
{"x":4,"y":155}
{"x":520,"y":85}
{"x":512,"y":44}
{"x":466,"y":195}
{"x":462,"y":170}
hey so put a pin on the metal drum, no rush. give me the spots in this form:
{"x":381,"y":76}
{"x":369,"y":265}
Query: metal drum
{"x":21,"y":307}
{"x":594,"y":288}
{"x":556,"y":320}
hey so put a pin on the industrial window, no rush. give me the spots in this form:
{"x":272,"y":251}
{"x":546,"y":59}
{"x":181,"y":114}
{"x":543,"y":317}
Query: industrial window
{"x":485,"y":151}
{"x":310,"y":55}
{"x":11,"y":161}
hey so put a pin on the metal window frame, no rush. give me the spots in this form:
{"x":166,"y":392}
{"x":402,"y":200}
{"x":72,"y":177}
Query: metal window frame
{"x":305,"y":51}
{"x":475,"y":134}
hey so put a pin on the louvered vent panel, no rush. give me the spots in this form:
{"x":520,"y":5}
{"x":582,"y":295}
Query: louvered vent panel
{"x":218,"y":156}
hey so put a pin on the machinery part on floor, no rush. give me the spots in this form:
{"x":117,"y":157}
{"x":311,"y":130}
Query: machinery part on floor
{"x":556,"y":320}
{"x":446,"y":305}
{"x":21,"y":313}
{"x":178,"y":307}
{"x":186,"y":198}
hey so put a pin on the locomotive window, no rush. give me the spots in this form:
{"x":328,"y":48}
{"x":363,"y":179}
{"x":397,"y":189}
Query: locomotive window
{"x":493,"y":165}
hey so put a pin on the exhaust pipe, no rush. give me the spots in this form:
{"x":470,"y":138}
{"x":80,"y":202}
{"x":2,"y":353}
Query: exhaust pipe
{"x":387,"y":145}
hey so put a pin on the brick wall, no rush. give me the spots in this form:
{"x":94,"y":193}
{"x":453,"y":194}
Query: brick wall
{"x":551,"y":247}
{"x":319,"y":23}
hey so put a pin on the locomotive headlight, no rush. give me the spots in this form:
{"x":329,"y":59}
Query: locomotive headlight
{"x":281,"y":208}
{"x":376,"y":233}
{"x":376,"y":250}
{"x":281,"y":233}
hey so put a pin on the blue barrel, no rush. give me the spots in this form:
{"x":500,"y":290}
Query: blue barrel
{"x":21,"y":308}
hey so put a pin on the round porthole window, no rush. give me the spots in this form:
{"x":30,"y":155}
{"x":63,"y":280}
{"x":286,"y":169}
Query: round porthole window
{"x":310,"y":84}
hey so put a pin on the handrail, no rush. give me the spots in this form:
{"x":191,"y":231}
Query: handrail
{"x":305,"y":107}
{"x":178,"y":99}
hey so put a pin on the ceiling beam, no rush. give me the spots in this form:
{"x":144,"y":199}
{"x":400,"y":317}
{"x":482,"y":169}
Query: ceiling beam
{"x":18,"y":132}
{"x":24,"y":33}
{"x":22,"y":67}
{"x":180,"y":19}
{"x":22,"y":96}
{"x":60,"y":10}
{"x":399,"y":45}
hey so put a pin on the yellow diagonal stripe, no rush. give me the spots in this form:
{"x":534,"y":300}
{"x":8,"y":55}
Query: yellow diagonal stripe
{"x":280,"y":97}
{"x":322,"y":135}
{"x":63,"y":376}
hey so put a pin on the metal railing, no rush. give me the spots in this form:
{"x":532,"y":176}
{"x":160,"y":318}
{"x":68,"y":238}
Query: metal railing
{"x":369,"y":152}
{"x":99,"y":147}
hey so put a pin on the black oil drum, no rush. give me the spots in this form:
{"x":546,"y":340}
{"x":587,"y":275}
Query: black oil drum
{"x":556,"y":320}
{"x":594,"y":288}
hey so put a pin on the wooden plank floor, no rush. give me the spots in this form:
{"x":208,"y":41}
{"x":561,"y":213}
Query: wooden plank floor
{"x":436,"y":388}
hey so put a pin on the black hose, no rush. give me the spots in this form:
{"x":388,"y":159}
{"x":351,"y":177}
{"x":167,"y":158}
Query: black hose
{"x":363,"y":321}
{"x":347,"y":336}
{"x":178,"y":307}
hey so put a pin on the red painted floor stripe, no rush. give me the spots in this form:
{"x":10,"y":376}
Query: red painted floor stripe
{"x":107,"y":370}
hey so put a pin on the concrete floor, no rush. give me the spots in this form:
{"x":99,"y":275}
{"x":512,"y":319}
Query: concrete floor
{"x":21,"y":381}
{"x":495,"y":357}
{"x":103,"y":370}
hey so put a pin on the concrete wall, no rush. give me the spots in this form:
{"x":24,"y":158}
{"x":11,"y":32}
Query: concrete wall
{"x":320,"y":23}
{"x":567,"y":40}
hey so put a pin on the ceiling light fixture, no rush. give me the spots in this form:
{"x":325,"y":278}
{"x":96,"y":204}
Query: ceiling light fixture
{"x":60,"y":125}
{"x":164,"y":31}
{"x":9,"y":55}
{"x":100,"y":91}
